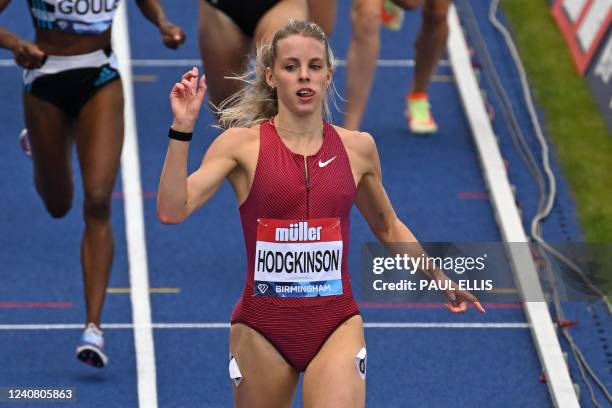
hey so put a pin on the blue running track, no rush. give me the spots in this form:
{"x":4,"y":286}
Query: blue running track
{"x":436,"y":186}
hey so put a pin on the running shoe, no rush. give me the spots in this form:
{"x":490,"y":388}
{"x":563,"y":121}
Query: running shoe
{"x":419,"y":116}
{"x":90,"y":349}
{"x":24,"y":142}
{"x":392,"y":15}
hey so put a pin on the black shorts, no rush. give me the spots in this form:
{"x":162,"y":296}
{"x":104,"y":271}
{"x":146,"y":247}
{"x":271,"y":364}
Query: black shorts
{"x":245,"y":13}
{"x":68,"y":82}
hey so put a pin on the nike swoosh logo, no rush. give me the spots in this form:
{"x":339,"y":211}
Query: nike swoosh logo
{"x":325,"y":163}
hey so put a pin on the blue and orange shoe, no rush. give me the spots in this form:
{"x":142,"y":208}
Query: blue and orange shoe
{"x":90,"y":349}
{"x":418,"y":113}
{"x":24,"y":142}
{"x":392,"y":15}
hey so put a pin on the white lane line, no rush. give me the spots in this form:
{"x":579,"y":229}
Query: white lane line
{"x":447,"y":325}
{"x":509,"y":221}
{"x":160,"y":63}
{"x":371,"y":325}
{"x":383,"y":63}
{"x":134,"y":225}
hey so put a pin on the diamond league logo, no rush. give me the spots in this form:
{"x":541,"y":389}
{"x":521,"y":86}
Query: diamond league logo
{"x":262,"y":288}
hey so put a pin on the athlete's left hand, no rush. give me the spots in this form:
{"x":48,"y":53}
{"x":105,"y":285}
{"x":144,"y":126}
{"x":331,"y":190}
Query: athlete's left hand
{"x":172,"y":36}
{"x":458,"y":298}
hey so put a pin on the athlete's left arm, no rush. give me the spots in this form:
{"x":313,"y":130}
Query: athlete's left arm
{"x":172,"y":35}
{"x":374,"y":204}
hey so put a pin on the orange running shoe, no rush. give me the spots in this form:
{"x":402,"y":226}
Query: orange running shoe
{"x":418,"y":113}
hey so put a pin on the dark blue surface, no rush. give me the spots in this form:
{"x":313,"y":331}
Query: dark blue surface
{"x":204,"y":257}
{"x":46,"y":359}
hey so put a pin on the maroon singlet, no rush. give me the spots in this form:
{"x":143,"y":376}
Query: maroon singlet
{"x":297,"y":327}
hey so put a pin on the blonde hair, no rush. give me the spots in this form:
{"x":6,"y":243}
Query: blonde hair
{"x":257,"y":101}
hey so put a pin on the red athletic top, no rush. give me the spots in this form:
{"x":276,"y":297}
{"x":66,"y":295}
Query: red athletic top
{"x":283,"y":190}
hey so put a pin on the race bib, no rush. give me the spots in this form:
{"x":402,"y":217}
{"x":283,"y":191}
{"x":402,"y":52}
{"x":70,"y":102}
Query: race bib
{"x":86,"y":10}
{"x":297,"y":258}
{"x":83,"y":16}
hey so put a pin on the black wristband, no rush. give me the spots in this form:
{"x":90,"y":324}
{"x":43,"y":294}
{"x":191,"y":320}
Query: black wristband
{"x":182,"y":136}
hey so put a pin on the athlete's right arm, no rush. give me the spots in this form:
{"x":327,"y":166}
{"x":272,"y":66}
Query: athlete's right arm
{"x":178,"y":195}
{"x":27,"y":54}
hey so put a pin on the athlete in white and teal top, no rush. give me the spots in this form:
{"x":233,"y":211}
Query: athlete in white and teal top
{"x":73,"y":94}
{"x":74,"y":16}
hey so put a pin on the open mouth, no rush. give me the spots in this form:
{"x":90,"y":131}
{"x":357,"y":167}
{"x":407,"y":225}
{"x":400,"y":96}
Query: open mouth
{"x":305,"y":93}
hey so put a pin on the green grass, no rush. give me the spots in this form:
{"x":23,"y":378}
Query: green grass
{"x":572,"y":119}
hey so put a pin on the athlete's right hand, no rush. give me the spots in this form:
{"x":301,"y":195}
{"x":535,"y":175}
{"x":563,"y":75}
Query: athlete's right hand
{"x":28,"y":55}
{"x":186,"y":99}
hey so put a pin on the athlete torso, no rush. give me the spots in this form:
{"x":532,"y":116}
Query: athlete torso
{"x":71,"y":27}
{"x":317,"y":193}
{"x":246,"y":148}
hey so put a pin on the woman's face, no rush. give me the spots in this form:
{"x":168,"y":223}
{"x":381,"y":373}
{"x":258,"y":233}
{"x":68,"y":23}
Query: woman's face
{"x":300,"y":74}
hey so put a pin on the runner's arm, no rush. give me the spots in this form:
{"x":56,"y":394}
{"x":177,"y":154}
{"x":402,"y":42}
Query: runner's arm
{"x":375,"y":206}
{"x":172,"y":35}
{"x":178,"y":195}
{"x":27,"y":54}
{"x":372,"y":200}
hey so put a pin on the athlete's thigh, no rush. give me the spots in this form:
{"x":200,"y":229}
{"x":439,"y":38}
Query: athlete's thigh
{"x":334,"y":377}
{"x":278,"y":16}
{"x":99,"y":140}
{"x":323,"y":12}
{"x":50,"y":143}
{"x":224,"y":50}
{"x":268,"y":381}
{"x":365,"y":16}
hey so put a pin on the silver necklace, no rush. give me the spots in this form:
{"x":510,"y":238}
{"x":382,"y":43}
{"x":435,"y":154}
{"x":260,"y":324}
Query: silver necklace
{"x":294,"y":131}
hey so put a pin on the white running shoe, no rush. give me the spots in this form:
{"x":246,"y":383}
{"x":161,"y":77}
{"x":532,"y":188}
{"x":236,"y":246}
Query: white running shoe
{"x":90,"y":349}
{"x":24,"y":142}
